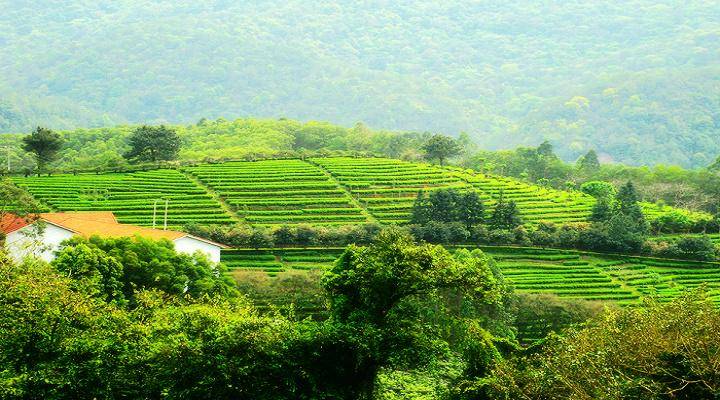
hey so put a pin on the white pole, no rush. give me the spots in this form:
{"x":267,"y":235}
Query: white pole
{"x":154,"y":213}
{"x":8,"y":158}
{"x":167,"y":202}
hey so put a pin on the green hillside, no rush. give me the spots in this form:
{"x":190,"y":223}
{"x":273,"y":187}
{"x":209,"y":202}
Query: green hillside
{"x":319,"y":191}
{"x":565,"y":273}
{"x":637,"y":80}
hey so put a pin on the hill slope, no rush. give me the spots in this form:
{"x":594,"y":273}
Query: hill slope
{"x":322,"y":191}
{"x":565,"y":273}
{"x":508,"y":73}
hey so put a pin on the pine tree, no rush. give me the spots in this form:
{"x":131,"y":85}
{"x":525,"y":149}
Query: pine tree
{"x":512,"y":216}
{"x":498,"y":216}
{"x":471,"y":209}
{"x":627,"y":203}
{"x":602,"y":210}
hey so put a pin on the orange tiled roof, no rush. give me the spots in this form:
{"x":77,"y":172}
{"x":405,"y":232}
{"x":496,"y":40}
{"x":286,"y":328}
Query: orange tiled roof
{"x":104,"y":224}
{"x":11,"y":222}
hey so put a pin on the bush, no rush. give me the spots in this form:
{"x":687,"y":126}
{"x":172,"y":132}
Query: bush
{"x":691,"y":248}
{"x":628,"y":353}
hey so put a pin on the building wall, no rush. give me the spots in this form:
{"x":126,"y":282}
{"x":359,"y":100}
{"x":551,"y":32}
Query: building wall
{"x":28,"y":241}
{"x":190,"y":245}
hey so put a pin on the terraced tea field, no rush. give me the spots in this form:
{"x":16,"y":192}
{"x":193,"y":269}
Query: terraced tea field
{"x":274,"y":261}
{"x":385,"y":187}
{"x":565,"y":273}
{"x":534,"y":203}
{"x":321,"y":191}
{"x":131,"y":196}
{"x":276,"y":192}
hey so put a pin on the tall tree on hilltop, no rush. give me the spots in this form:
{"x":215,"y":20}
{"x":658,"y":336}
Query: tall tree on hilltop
{"x":589,"y":162}
{"x":153,"y":143}
{"x":441,"y":147}
{"x":45,"y":146}
{"x":546,"y":150}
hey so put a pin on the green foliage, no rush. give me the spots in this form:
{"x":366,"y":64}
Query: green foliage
{"x":637,"y":353}
{"x":692,"y":248}
{"x":45,"y":146}
{"x":152,"y":144}
{"x":589,"y":163}
{"x":448,"y":205}
{"x":505,"y":215}
{"x":142,"y":264}
{"x":602,"y":211}
{"x":16,"y":200}
{"x":627,"y":204}
{"x":94,"y":270}
{"x":246,"y":138}
{"x":668,"y":184}
{"x":673,"y":221}
{"x":540,"y":314}
{"x":441,"y":147}
{"x":388,"y":287}
{"x":599,"y":189}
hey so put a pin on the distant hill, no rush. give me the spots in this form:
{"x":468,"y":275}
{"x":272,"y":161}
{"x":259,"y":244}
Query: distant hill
{"x":637,"y":80}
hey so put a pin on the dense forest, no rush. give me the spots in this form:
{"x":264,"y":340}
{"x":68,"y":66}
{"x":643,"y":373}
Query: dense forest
{"x":638,"y":80}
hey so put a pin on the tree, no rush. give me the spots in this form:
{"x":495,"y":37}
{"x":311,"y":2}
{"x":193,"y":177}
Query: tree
{"x":94,"y":269}
{"x":471,"y":208}
{"x":692,"y":248}
{"x":147,"y":264}
{"x":599,"y":189}
{"x":715,"y":167}
{"x":545,"y":149}
{"x":421,"y":209}
{"x":441,"y":147}
{"x":657,"y":351}
{"x":589,"y":163}
{"x":153,"y":143}
{"x":602,"y":211}
{"x":447,"y":206}
{"x":627,"y":203}
{"x":506,"y":214}
{"x":385,"y":290}
{"x":45,"y":146}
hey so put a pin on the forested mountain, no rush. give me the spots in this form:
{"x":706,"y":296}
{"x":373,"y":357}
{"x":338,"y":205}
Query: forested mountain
{"x":637,"y":80}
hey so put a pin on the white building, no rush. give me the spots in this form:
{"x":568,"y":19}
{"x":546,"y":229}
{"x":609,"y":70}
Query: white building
{"x":42,"y":235}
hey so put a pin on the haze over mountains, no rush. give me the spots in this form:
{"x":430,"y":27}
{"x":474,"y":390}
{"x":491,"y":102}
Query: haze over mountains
{"x":638,"y":80}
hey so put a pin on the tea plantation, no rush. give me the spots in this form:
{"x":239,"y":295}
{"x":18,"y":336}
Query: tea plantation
{"x":280,"y":192}
{"x":565,"y":273}
{"x":319,"y":191}
{"x":133,"y":197}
